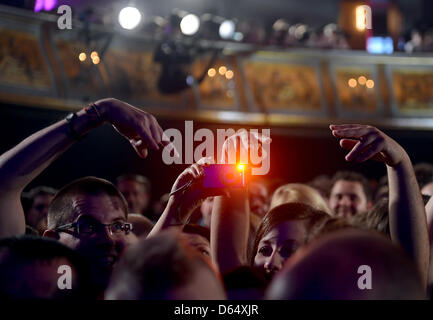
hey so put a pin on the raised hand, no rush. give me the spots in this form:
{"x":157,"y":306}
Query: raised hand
{"x":407,"y":218}
{"x":366,"y":142}
{"x":245,"y":143}
{"x":188,"y":188}
{"x":186,"y":194}
{"x":139,"y":127}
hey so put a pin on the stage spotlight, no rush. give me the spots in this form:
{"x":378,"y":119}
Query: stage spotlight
{"x":300,"y":31}
{"x":227,"y":29}
{"x":175,"y":59}
{"x":189,"y":24}
{"x":280,"y":25}
{"x":238,"y":36}
{"x":129,"y":18}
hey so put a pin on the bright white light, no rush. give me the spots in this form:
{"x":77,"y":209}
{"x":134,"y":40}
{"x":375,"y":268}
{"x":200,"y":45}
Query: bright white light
{"x":189,"y":24}
{"x":227,"y":29}
{"x":363,"y":17}
{"x":129,"y":18}
{"x":380,"y":45}
{"x":238,"y":36}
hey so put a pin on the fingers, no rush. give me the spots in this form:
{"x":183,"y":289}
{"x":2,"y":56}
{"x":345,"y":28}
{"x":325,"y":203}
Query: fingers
{"x":155,"y":129}
{"x":163,"y":142}
{"x":144,"y":130}
{"x":149,"y":130}
{"x":371,"y":152}
{"x":148,"y":136}
{"x":187,"y":174}
{"x":230,"y":150}
{"x":205,"y":161}
{"x":197,"y":169}
{"x":259,"y":137}
{"x":139,"y":148}
{"x":361,"y":151}
{"x":243,"y":137}
{"x":344,"y":126}
{"x":355,"y":132}
{"x":363,"y":141}
{"x":360,"y":146}
{"x":241,"y":143}
{"x":139,"y":127}
{"x":348,"y":144}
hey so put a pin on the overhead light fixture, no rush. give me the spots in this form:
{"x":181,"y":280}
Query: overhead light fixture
{"x":363,"y":17}
{"x":129,"y":18}
{"x":82,"y":56}
{"x":238,"y":36}
{"x":227,"y":29}
{"x":46,"y":5}
{"x":189,"y":24}
{"x":229,"y":74}
{"x":222,"y":70}
{"x":96,"y":60}
{"x":211,"y":72}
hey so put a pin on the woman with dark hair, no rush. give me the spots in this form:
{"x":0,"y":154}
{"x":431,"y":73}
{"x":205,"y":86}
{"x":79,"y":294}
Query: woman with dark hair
{"x":283,"y":230}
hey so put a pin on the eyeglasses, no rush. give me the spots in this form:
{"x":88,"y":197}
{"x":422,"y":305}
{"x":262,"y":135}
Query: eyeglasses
{"x":86,"y":225}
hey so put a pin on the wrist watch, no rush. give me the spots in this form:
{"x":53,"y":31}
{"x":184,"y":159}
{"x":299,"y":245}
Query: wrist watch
{"x":70,"y":119}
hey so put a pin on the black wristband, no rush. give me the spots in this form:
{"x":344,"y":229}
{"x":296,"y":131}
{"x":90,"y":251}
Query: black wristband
{"x":70,"y":120}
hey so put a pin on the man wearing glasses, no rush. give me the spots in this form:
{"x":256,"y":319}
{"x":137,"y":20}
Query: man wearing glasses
{"x":89,"y":215}
{"x":99,"y":226}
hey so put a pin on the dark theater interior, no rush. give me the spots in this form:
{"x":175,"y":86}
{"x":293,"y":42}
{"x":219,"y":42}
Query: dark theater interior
{"x":216,"y":150}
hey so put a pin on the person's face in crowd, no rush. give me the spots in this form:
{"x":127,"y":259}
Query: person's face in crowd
{"x":348,"y":198}
{"x":101,"y":248}
{"x":258,"y":196}
{"x":427,"y":189}
{"x":135,"y":194}
{"x":198,"y":242}
{"x":37,"y":214}
{"x":206,"y":211}
{"x":279,"y":244}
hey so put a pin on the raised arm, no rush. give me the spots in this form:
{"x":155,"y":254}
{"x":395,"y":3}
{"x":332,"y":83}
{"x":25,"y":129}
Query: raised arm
{"x":407,"y":217}
{"x":20,"y":165}
{"x":230,"y":220}
{"x":230,"y":226}
{"x":429,"y":213}
{"x":187,"y":193}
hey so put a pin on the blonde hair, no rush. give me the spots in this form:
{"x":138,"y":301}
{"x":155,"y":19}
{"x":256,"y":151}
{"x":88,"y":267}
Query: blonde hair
{"x":298,"y":192}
